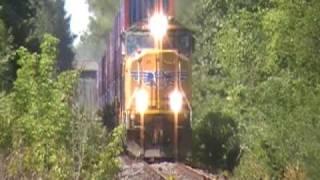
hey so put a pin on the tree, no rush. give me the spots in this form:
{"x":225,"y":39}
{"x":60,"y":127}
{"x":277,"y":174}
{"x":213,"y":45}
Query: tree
{"x":28,"y":21}
{"x":16,"y":16}
{"x":51,"y":18}
{"x":257,"y":63}
{"x":5,"y":50}
{"x":93,"y":42}
{"x":185,"y":11}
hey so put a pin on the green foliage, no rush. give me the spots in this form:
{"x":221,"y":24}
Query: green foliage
{"x":16,"y":16}
{"x":5,"y":127}
{"x":28,"y":21}
{"x":104,"y":12}
{"x":108,"y":164}
{"x":92,"y":43}
{"x":216,"y":142}
{"x":184,"y":10}
{"x":5,"y":51}
{"x":258,"y":63}
{"x":95,"y":151}
{"x":41,"y":123}
{"x":50,"y":17}
{"x":252,"y":167}
{"x":41,"y":135}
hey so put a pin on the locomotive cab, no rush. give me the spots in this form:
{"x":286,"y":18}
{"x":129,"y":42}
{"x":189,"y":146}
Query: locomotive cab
{"x":157,"y":79}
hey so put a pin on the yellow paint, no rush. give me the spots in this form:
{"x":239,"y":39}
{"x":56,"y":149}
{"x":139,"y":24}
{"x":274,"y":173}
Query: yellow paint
{"x":168,"y":63}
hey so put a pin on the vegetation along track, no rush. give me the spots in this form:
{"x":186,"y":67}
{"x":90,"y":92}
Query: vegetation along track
{"x":139,"y":170}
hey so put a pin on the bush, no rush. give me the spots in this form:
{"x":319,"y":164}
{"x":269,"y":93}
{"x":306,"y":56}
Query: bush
{"x":42,"y":135}
{"x":216,"y":142}
{"x":251,"y":168}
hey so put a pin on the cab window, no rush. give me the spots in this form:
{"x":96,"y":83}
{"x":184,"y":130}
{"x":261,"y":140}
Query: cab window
{"x":138,"y":41}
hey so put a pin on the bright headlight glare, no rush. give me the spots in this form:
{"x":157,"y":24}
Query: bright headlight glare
{"x":158,"y":25}
{"x":176,"y":101}
{"x":142,"y":100}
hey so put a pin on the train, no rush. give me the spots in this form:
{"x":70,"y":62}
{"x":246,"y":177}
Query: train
{"x":144,"y":79}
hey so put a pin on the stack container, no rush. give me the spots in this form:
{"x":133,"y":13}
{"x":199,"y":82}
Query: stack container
{"x":102,"y":81}
{"x":133,"y":11}
{"x":114,"y":61}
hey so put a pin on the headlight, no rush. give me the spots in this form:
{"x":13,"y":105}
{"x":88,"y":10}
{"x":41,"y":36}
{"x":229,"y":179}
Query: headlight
{"x":176,"y":101}
{"x":142,"y":100}
{"x":158,"y":25}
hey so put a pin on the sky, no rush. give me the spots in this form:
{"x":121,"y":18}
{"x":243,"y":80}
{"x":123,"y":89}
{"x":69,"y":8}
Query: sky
{"x":78,"y":9}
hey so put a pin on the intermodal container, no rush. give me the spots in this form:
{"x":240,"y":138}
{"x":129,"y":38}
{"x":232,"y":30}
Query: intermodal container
{"x":134,"y":11}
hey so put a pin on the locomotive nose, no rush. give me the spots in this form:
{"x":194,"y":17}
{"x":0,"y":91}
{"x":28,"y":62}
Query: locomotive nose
{"x":160,"y":73}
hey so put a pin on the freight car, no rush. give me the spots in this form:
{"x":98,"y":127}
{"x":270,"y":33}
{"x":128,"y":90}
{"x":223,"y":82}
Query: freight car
{"x":86,"y":98}
{"x":145,"y":79}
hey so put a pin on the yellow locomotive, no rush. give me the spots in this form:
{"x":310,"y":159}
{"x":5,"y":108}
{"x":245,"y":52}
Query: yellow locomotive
{"x":146,"y":76}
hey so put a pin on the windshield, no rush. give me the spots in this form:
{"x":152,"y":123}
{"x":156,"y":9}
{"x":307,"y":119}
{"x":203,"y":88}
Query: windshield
{"x":138,"y":41}
{"x":175,"y":40}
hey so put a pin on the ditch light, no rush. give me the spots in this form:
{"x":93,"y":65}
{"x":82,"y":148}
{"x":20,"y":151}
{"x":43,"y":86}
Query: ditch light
{"x":176,"y":101}
{"x":142,"y":100}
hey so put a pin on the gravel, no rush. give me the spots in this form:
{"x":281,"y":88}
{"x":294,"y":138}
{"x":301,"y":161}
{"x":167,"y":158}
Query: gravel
{"x":138,"y":170}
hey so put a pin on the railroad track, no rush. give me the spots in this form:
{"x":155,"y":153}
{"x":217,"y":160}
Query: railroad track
{"x":191,"y":173}
{"x":139,"y":170}
{"x":134,"y":169}
{"x":178,"y":171}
